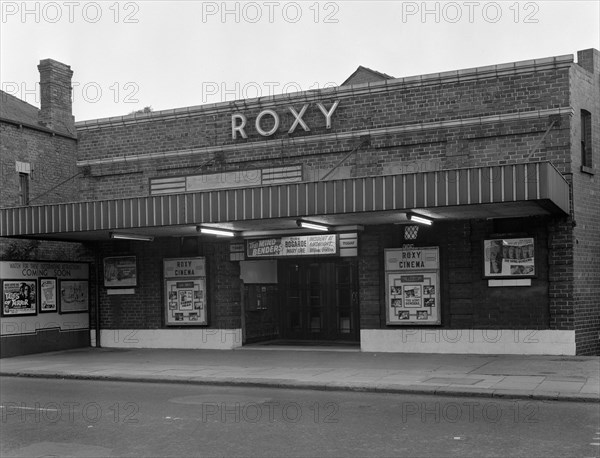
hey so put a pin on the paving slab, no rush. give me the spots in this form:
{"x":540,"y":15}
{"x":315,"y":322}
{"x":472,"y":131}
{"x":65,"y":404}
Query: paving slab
{"x":518,"y":376}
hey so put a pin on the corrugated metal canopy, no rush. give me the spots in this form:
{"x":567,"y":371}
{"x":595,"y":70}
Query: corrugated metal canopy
{"x":498,"y":191}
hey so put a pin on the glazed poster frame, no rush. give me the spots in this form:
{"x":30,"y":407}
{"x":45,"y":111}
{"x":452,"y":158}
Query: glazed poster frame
{"x":509,"y":258}
{"x":19,"y":297}
{"x":48,"y":292}
{"x":185,"y":291}
{"x":74,"y":296}
{"x":120,"y":272}
{"x":413,"y":298}
{"x":412,"y":286}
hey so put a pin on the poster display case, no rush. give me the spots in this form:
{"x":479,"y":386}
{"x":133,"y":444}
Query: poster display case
{"x":120,"y":272}
{"x":509,"y":258}
{"x":185,"y":291}
{"x":19,"y":297}
{"x":48,"y":295}
{"x":74,"y":296}
{"x":412,"y":286}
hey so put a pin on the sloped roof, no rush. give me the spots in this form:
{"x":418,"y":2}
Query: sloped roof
{"x":14,"y":109}
{"x":365,"y":75}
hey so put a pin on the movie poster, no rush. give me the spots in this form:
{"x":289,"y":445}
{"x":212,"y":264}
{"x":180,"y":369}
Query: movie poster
{"x":74,"y":296}
{"x":185,"y":291}
{"x":19,"y":297}
{"x":412,"y":286}
{"x":120,"y":272}
{"x":509,"y":257}
{"x":48,"y":296}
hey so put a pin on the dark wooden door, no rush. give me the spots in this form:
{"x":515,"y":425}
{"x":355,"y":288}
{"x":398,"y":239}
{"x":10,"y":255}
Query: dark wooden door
{"x":319,"y":300}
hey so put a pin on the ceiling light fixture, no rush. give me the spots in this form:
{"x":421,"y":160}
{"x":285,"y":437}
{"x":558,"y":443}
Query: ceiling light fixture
{"x":210,"y":230}
{"x":140,"y":238}
{"x":309,"y":225}
{"x":419,"y":219}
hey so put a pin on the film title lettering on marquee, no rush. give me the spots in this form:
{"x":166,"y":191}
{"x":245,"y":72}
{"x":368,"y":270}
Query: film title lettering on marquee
{"x":185,"y":291}
{"x":239,"y":121}
{"x":301,"y":245}
{"x":509,"y":257}
{"x":412,"y":286}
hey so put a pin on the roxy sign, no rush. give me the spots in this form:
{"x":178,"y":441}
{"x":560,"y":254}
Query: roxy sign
{"x":239,"y":120}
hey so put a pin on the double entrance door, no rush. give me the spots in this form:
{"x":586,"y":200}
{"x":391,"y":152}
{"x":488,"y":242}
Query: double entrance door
{"x":319,"y":300}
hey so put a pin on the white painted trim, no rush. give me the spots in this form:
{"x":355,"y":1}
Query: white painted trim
{"x":198,"y":338}
{"x":469,"y":341}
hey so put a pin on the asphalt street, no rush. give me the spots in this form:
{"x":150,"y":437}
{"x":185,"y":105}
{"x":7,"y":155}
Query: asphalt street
{"x":42,"y":417}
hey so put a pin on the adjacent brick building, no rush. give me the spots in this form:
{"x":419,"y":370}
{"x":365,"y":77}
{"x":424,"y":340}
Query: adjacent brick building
{"x":502,"y":159}
{"x":38,"y":158}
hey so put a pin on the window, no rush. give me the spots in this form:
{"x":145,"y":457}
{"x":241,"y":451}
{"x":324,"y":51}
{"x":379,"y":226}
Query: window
{"x":24,"y":188}
{"x":586,"y":138}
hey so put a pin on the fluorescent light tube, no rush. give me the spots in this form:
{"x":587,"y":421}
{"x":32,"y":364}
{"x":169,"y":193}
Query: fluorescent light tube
{"x":141,"y":238}
{"x":420,"y":219}
{"x":208,"y":230}
{"x":315,"y":226}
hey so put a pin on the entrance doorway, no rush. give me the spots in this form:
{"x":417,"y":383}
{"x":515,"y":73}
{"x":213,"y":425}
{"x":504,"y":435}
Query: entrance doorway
{"x":319,"y":300}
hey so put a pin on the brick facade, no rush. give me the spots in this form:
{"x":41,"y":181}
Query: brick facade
{"x":516,"y":113}
{"x":585,"y":241}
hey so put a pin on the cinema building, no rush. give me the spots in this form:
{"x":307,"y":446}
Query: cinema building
{"x":455,"y":212}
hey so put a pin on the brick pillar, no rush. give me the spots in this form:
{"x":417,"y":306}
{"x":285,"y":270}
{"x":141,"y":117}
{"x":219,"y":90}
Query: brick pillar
{"x":560,"y":274}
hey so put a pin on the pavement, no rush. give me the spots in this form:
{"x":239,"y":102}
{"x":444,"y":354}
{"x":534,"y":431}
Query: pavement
{"x":562,"y":378}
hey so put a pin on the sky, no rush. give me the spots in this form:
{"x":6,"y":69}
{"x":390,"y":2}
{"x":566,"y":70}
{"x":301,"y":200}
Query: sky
{"x":132,"y":54}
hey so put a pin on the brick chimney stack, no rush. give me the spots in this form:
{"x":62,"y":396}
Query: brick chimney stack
{"x":56,"y":111}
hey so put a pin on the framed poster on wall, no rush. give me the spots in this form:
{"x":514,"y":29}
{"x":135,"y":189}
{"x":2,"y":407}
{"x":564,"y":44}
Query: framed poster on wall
{"x":120,"y":272}
{"x":412,"y":286}
{"x":19,"y":297}
{"x":185,"y":291}
{"x":48,"y":295}
{"x":74,"y":296}
{"x":509,"y":257}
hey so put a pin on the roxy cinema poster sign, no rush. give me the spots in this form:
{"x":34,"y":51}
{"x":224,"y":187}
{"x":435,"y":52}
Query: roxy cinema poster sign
{"x":240,"y":125}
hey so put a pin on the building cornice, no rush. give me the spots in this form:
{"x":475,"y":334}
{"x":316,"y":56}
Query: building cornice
{"x":339,"y":92}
